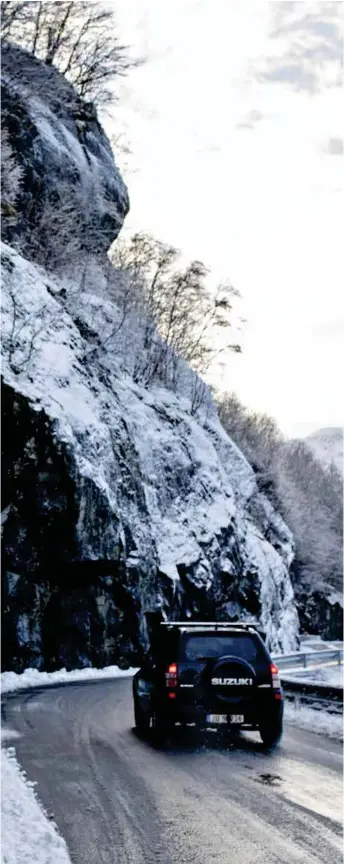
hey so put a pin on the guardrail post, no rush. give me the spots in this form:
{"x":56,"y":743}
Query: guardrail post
{"x":305,"y":661}
{"x":339,"y":657}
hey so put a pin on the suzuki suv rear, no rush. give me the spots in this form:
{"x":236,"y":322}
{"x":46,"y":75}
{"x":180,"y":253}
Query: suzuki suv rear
{"x":211,"y":675}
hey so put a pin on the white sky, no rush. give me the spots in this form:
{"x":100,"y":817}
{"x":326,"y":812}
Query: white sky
{"x":234,"y":123}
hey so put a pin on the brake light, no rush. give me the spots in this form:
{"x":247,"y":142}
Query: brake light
{"x":276,"y":682}
{"x":171,"y":675}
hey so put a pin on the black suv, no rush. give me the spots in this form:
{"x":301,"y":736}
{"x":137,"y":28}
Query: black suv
{"x":210,"y":675}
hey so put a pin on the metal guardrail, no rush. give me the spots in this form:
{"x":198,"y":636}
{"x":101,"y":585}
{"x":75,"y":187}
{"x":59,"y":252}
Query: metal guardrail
{"x":306,"y":659}
{"x":312,"y":688}
{"x":318,"y":696}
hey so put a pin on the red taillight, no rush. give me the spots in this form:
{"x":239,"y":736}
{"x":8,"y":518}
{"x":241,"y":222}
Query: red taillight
{"x":276,"y":683}
{"x":171,"y":675}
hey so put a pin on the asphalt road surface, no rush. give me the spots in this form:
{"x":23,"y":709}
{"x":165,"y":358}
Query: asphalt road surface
{"x":118,"y":799}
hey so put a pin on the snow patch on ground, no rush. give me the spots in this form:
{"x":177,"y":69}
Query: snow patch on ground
{"x":27,"y":835}
{"x":314,"y":721}
{"x":11,"y":681}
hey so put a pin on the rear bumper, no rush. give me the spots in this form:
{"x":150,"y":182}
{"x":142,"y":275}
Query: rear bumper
{"x":254,"y":714}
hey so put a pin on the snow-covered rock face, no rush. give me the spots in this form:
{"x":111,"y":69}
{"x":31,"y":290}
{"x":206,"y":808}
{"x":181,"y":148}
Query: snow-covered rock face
{"x":64,"y":153}
{"x":117,"y":502}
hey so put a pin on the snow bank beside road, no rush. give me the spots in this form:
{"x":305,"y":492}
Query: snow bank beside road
{"x":314,"y":721}
{"x":11,"y":681}
{"x":27,"y":835}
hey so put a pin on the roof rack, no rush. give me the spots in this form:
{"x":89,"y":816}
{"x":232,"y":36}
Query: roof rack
{"x":213,"y":625}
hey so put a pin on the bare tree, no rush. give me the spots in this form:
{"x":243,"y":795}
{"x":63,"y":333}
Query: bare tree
{"x":120,"y":146}
{"x":126,"y":313}
{"x":76,"y":37}
{"x":188,"y":316}
{"x":200,"y":395}
{"x":309,"y":496}
{"x":50,"y":242}
{"x":22,"y":330}
{"x":12,"y":12}
{"x":63,"y":229}
{"x":11,"y":179}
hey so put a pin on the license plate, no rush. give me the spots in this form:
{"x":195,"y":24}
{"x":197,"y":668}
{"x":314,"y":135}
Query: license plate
{"x":236,"y":718}
{"x":216,"y":718}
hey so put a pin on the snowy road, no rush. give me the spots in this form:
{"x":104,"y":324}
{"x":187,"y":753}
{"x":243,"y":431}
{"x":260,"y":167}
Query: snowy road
{"x":119,"y":800}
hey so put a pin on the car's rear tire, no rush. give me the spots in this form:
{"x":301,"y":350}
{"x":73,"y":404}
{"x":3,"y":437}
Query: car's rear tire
{"x":142,"y":718}
{"x":271,"y":733}
{"x":161,"y":727}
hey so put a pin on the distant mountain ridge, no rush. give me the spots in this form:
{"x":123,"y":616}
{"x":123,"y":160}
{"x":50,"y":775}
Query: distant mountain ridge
{"x":327,"y":446}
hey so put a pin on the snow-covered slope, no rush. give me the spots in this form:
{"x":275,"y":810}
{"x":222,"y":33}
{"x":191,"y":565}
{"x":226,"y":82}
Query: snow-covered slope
{"x":155,"y":502}
{"x":327,"y":446}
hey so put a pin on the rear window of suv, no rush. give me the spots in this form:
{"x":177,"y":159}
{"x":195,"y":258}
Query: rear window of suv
{"x":199,"y":646}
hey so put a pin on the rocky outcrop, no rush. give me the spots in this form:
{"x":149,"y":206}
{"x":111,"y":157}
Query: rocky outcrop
{"x":66,"y":158}
{"x":321,"y":612}
{"x":118,"y":504}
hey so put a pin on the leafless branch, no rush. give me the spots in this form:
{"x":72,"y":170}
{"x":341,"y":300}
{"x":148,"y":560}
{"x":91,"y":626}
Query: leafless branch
{"x":78,"y":38}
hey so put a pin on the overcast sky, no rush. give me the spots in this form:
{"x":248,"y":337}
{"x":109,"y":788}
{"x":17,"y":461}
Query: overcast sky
{"x":235,"y":127}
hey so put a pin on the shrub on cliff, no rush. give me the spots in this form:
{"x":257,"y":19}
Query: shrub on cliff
{"x":309,"y":496}
{"x":11,"y":178}
{"x":193,"y":321}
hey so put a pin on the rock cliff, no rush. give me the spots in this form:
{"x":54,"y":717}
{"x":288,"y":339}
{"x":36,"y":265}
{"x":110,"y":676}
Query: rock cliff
{"x":120,"y":503}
